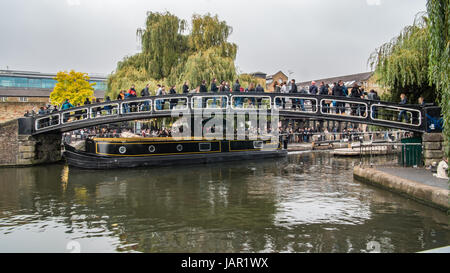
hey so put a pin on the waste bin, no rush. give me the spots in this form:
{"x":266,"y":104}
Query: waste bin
{"x":410,"y":155}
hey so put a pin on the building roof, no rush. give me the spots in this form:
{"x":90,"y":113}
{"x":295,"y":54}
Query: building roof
{"x":270,"y":77}
{"x":348,"y":79}
{"x":35,"y":92}
{"x":34,"y":74}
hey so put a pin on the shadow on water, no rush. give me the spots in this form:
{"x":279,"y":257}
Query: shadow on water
{"x":308,"y":202}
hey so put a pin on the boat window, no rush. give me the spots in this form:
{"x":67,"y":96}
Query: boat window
{"x":179,"y":147}
{"x":122,"y":149}
{"x":257,"y":144}
{"x":204,"y":147}
{"x":151,"y":149}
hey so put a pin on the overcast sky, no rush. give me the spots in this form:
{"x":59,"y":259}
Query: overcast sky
{"x":312,"y":38}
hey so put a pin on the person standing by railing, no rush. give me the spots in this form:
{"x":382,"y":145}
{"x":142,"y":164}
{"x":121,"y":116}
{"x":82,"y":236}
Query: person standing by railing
{"x":203,"y":89}
{"x":338,"y":91}
{"x":355,"y":93}
{"x":237,"y":88}
{"x":159,"y":92}
{"x":283,"y":90}
{"x":324,"y":91}
{"x":214,"y":89}
{"x":121,"y":95}
{"x":186,"y":87}
{"x":145,"y":93}
{"x":173,"y":102}
{"x":313,"y":88}
{"x":403,"y":101}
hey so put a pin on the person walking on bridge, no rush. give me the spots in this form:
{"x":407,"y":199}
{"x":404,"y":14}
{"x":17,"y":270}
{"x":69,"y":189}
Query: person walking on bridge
{"x":355,"y":93}
{"x":145,"y":93}
{"x":313,"y":88}
{"x":186,"y":87}
{"x":214,"y":89}
{"x":237,"y":88}
{"x":338,"y":91}
{"x":403,"y":101}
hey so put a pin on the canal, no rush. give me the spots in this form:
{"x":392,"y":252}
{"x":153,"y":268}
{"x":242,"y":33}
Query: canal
{"x":308,"y":202}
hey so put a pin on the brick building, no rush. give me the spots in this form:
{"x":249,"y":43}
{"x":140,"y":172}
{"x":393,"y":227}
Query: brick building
{"x":365,"y":80}
{"x":25,"y":90}
{"x":277,"y":77}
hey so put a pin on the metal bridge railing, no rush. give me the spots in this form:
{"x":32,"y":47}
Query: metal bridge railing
{"x":305,"y":105}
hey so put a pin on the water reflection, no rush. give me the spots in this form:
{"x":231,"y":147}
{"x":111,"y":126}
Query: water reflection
{"x":306,"y":203}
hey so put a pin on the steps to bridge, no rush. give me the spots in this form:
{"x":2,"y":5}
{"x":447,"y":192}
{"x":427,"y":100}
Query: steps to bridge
{"x":17,"y":148}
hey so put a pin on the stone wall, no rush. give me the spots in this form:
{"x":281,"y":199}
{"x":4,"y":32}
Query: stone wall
{"x":25,"y":150}
{"x":11,"y":110}
{"x":429,"y":195}
{"x":433,"y":148}
{"x":9,"y":145}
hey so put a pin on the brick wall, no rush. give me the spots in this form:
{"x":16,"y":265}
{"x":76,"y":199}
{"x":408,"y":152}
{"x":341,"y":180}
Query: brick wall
{"x":12,"y":109}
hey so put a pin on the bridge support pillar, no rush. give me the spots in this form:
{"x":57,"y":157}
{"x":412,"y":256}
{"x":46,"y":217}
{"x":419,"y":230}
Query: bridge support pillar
{"x":19,"y":148}
{"x":433,"y":148}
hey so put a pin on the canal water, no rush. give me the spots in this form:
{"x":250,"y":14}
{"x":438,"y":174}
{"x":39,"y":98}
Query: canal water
{"x":308,"y":202}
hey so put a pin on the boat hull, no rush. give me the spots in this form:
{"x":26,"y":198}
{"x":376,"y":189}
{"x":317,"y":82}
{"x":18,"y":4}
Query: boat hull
{"x":91,"y":161}
{"x":111,"y":153}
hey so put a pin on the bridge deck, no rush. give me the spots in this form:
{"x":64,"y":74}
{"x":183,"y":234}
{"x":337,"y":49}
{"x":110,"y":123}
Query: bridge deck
{"x":291,"y":106}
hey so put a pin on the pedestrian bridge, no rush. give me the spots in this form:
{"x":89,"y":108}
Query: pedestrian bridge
{"x":414,"y":118}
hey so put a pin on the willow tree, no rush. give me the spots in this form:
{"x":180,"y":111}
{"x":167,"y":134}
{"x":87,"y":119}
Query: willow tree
{"x":170,"y":54}
{"x":402,"y":63}
{"x":208,"y":31}
{"x":163,"y":43}
{"x":439,"y":56}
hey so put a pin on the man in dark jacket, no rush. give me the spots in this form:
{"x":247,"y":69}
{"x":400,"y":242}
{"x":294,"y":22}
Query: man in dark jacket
{"x":214,"y":86}
{"x":323,"y":90}
{"x":339,"y":92}
{"x":203,"y":88}
{"x":186,"y":87}
{"x":355,"y":93}
{"x":403,"y":101}
{"x":296,"y":102}
{"x":313,"y":88}
{"x":214,"y":89}
{"x":294,"y":88}
{"x":173,"y":102}
{"x":145,"y":92}
{"x":259,"y":88}
{"x":237,"y":88}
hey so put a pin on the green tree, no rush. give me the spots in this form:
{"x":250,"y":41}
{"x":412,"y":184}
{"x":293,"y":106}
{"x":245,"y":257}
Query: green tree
{"x":72,"y":85}
{"x":163,"y":44}
{"x":439,"y":56}
{"x":171,"y":55}
{"x":402,"y":63}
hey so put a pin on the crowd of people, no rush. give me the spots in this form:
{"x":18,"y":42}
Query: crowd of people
{"x":305,"y":134}
{"x":338,"y":89}
{"x":105,"y":132}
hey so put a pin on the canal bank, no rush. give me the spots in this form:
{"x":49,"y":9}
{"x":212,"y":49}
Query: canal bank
{"x":417,"y":184}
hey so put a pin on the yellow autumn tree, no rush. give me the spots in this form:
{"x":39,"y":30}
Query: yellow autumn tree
{"x":72,"y":85}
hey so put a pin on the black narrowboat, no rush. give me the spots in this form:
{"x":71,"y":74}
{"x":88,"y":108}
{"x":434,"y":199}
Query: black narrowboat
{"x":109,"y":153}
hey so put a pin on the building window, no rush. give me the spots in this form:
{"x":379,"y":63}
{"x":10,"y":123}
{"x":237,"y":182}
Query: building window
{"x":35,"y":83}
{"x":3,"y":99}
{"x":23,"y":99}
